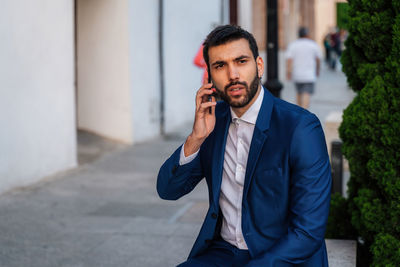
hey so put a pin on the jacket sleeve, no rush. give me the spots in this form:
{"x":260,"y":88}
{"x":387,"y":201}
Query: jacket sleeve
{"x":310,"y":189}
{"x":174,"y":180}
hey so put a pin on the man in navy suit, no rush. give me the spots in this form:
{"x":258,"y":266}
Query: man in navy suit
{"x":264,"y":161}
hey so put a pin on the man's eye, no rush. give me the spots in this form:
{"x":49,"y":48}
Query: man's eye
{"x":219,"y":66}
{"x":242,"y":61}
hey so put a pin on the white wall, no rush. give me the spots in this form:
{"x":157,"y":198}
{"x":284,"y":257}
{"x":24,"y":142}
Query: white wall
{"x":144,"y":69}
{"x":104,"y":97}
{"x":245,"y":14}
{"x":186,"y":25}
{"x":37,"y":111}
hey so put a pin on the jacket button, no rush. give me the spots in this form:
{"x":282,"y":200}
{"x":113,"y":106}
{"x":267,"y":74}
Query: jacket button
{"x":174,"y":169}
{"x":208,"y":241}
{"x":214,"y":216}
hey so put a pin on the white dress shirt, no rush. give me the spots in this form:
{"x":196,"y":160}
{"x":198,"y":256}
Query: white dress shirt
{"x":236,"y":154}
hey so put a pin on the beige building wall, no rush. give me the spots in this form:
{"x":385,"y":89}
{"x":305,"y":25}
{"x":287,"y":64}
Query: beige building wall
{"x":259,"y":23}
{"x":318,"y":15}
{"x":325,"y":17}
{"x":259,"y":29}
{"x":325,"y":13}
{"x":288,"y":19}
{"x":307,"y":16}
{"x":103,"y":81}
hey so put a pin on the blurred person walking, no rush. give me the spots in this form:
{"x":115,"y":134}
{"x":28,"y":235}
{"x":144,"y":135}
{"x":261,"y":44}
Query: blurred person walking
{"x":336,"y":43}
{"x":328,"y":48}
{"x":303,"y":59}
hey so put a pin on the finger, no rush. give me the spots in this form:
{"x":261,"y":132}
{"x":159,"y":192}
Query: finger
{"x":211,"y":110}
{"x":206,"y":98}
{"x":205,"y":89}
{"x":207,"y":86}
{"x":203,"y":92}
{"x":214,"y":94}
{"x":204,"y":106}
{"x":213,"y":99}
{"x":213,"y":107}
{"x":203,"y":96}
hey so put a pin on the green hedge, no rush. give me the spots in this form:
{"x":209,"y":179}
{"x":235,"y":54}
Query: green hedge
{"x":371,"y":135}
{"x":342,"y":15}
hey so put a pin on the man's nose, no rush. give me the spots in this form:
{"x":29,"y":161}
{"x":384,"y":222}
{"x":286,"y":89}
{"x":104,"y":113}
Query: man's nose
{"x":233,"y":73}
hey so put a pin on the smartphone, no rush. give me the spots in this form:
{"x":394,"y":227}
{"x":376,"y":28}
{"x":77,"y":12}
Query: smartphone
{"x":214,"y":94}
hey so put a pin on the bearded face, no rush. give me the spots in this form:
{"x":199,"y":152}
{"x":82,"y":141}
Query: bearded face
{"x":235,"y":73}
{"x":242,"y":100}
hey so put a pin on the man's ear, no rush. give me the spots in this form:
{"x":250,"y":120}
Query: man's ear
{"x":260,"y":66}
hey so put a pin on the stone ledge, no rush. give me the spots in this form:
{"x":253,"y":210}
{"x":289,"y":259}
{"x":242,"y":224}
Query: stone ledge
{"x":331,"y":129}
{"x":341,"y":253}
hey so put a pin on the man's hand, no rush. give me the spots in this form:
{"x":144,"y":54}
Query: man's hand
{"x":204,"y":121}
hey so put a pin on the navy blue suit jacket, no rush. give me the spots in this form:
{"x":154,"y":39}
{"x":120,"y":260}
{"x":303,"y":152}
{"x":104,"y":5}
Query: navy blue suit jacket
{"x":287,"y":185}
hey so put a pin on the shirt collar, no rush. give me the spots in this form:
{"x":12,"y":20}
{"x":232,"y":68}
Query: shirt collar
{"x":250,"y":116}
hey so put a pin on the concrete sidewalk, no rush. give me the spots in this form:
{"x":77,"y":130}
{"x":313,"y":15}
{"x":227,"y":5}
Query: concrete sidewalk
{"x":107,"y":212}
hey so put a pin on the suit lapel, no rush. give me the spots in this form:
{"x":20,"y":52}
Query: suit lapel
{"x":260,"y":135}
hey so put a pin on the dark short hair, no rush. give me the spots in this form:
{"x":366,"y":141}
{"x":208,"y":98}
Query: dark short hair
{"x":303,"y":32}
{"x":224,"y":34}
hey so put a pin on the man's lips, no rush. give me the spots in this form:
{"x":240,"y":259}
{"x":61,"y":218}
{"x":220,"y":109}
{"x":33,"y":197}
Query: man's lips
{"x":236,"y":89}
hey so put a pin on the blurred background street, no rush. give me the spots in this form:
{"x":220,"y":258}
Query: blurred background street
{"x":95,"y":95}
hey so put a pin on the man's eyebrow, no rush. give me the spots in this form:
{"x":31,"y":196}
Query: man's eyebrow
{"x":236,"y":59}
{"x":242,"y":57}
{"x":218,"y":62}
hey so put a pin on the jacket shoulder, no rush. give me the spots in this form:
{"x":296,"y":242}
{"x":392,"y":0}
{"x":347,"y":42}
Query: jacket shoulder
{"x":290,"y":112}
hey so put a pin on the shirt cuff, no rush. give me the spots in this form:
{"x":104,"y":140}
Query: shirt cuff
{"x":184,"y":160}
